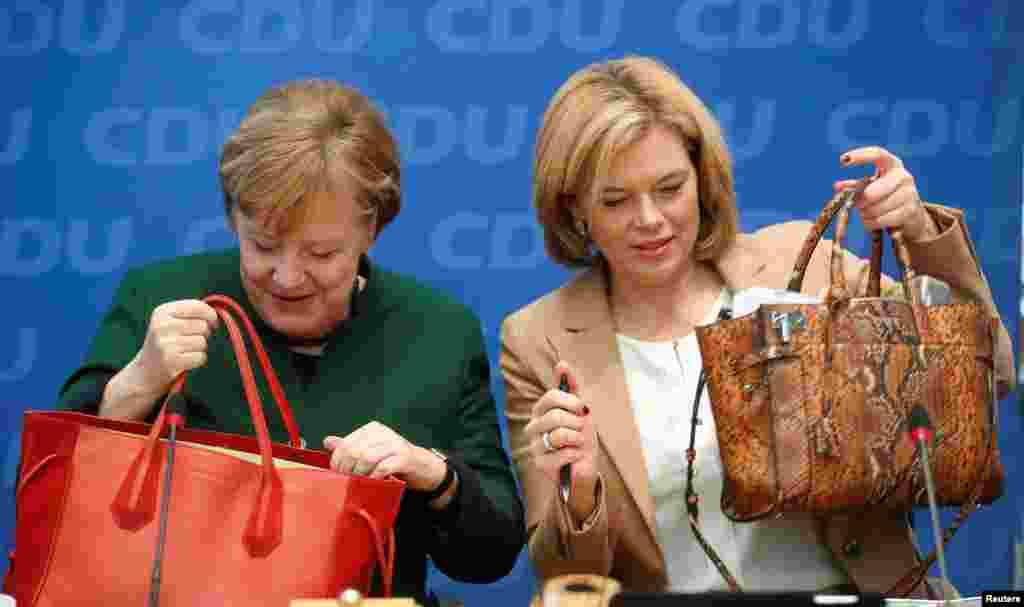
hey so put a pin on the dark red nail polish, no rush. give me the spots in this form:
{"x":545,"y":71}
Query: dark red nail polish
{"x":586,"y":410}
{"x":845,"y":159}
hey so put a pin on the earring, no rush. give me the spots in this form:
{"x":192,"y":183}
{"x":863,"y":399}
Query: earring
{"x":581,"y":229}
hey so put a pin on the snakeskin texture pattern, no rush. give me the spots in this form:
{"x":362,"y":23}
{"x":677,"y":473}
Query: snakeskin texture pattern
{"x":814,"y":418}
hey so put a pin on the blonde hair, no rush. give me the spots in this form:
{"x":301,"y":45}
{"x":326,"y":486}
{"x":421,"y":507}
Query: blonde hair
{"x":308,"y":137}
{"x":600,"y":110}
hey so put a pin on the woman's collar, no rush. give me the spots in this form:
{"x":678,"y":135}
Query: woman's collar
{"x":583,"y":302}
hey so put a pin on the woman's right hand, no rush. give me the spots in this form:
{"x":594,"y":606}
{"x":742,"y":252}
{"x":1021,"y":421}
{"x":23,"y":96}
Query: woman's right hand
{"x":565,"y":419}
{"x":175,"y":342}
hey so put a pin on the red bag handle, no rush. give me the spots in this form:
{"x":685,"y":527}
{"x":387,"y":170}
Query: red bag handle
{"x":223,"y":305}
{"x":135,"y":504}
{"x":385,"y":549}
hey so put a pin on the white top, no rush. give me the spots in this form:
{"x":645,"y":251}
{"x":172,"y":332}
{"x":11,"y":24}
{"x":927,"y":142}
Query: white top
{"x":770,"y":554}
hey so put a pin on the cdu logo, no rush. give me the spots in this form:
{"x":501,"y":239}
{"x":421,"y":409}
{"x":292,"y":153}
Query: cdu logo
{"x":205,"y":234}
{"x":18,"y":138}
{"x":925,"y":127}
{"x":522,"y":26}
{"x":31,"y":247}
{"x":428,"y":133}
{"x":759,"y":128}
{"x":82,"y":27}
{"x":965,"y":24}
{"x":270,"y":27}
{"x":127,"y":136}
{"x":471,"y":241}
{"x":25,"y":355}
{"x":710,"y":25}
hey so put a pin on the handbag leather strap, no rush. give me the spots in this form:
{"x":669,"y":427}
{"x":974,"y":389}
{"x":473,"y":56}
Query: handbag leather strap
{"x":225,"y":305}
{"x":264,"y":530}
{"x":134,"y":505}
{"x":821,"y":225}
{"x":384,"y":547}
{"x":692,"y":499}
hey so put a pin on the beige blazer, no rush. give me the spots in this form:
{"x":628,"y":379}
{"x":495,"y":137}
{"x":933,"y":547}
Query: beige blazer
{"x":574,"y":323}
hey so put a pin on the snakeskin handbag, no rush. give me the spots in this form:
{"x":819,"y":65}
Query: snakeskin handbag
{"x":811,"y":401}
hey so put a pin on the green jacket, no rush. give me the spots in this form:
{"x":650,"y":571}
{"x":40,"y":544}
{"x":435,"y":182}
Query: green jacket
{"x":408,"y":357}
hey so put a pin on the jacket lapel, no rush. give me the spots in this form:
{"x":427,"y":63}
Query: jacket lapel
{"x":585,"y":338}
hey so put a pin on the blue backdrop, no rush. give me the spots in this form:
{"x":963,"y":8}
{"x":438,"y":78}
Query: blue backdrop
{"x":114,"y":112}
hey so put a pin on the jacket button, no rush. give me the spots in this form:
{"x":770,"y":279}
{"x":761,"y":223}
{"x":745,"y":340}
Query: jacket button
{"x":852,"y":548}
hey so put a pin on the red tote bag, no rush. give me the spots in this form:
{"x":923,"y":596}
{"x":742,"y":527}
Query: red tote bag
{"x":249,"y":521}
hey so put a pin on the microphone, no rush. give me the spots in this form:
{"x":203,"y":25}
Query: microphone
{"x":921,"y":433}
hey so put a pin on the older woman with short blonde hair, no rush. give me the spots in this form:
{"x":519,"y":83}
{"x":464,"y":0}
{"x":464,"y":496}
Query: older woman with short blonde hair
{"x":312,"y":135}
{"x":633,"y":184}
{"x":310,"y":179}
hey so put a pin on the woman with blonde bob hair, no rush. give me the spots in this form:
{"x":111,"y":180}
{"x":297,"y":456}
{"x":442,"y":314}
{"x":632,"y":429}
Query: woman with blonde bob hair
{"x":589,"y":120}
{"x":633,"y":184}
{"x":309,"y":180}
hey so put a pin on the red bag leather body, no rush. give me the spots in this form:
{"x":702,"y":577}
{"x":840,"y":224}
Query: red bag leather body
{"x":238,"y":532}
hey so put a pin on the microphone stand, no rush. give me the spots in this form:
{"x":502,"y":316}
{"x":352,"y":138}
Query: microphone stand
{"x":920,"y":431}
{"x":175,"y":418}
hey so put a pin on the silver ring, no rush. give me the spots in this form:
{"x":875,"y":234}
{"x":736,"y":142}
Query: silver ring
{"x":546,"y":439}
{"x":360,"y":468}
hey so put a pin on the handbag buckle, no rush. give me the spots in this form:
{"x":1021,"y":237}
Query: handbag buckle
{"x":785,"y":323}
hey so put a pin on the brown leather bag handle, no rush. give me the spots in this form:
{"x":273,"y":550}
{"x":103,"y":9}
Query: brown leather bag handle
{"x":838,"y":288}
{"x":821,"y":225}
{"x":825,"y":218}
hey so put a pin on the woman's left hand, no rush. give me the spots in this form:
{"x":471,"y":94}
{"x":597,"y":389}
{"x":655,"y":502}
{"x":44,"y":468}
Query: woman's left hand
{"x":891,"y":201}
{"x":377,"y":451}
